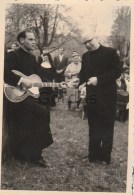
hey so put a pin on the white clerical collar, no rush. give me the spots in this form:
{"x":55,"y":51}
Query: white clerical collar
{"x":61,"y":57}
{"x":46,"y":65}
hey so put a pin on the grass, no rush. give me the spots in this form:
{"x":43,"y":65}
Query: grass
{"x":67,"y":169}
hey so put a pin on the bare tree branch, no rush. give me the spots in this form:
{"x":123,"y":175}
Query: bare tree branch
{"x":54,"y":26}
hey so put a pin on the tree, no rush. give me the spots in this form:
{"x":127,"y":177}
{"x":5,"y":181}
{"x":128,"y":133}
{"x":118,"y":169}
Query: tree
{"x":51,"y":28}
{"x":121,"y":32}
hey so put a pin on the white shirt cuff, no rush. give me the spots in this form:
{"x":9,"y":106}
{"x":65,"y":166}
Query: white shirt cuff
{"x":20,"y":80}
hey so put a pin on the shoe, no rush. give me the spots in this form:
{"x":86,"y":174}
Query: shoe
{"x":92,"y":160}
{"x":77,"y":109}
{"x":52,"y":108}
{"x":95,"y":161}
{"x":67,"y":108}
{"x":86,"y":157}
{"x":41,"y":163}
{"x":106,"y":162}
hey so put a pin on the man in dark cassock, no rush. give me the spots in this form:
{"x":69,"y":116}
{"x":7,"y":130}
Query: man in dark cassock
{"x":27,"y":121}
{"x":100,"y":69}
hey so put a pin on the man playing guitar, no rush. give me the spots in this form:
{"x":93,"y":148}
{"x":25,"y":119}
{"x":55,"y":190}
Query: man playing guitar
{"x":28,"y":123}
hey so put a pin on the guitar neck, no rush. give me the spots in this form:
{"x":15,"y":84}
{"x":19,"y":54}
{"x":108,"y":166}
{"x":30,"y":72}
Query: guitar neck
{"x":47,"y":84}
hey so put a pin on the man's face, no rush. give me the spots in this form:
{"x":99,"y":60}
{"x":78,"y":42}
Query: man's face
{"x":90,"y":45}
{"x":61,"y":51}
{"x":45,"y":51}
{"x":74,"y":53}
{"x":29,"y":41}
{"x":14,"y":47}
{"x":76,"y":59}
{"x":46,"y":58}
{"x":126,"y":76}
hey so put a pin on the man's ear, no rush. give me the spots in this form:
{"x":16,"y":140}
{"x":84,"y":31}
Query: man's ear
{"x":21,"y":40}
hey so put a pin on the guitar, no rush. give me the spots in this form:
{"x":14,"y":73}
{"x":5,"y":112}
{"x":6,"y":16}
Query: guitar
{"x":18,"y":94}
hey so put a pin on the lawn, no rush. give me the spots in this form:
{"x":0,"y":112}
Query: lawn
{"x":68,"y":169}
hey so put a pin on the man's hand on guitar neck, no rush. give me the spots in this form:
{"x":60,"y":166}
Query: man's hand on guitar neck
{"x":63,"y":85}
{"x":73,"y":83}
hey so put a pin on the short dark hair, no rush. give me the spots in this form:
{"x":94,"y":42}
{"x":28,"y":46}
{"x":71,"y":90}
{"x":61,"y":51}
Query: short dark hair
{"x":22,"y":34}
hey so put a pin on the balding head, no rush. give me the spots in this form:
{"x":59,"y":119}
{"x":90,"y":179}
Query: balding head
{"x":92,"y":44}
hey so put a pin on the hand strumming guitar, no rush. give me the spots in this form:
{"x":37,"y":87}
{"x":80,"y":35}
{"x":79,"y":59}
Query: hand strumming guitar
{"x":25,"y":83}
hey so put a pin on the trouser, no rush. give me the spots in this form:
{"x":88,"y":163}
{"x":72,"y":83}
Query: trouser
{"x":77,"y":102}
{"x":100,"y":142}
{"x":60,"y":93}
{"x":100,"y":137}
{"x":59,"y":78}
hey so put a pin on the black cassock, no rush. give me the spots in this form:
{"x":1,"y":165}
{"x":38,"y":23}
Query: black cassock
{"x":104,"y":64}
{"x":27,"y":122}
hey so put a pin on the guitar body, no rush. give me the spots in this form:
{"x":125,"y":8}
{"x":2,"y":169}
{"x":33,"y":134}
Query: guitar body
{"x":16,"y":94}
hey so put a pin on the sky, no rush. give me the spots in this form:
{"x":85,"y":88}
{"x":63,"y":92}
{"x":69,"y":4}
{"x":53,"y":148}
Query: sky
{"x":97,"y":20}
{"x":92,"y":20}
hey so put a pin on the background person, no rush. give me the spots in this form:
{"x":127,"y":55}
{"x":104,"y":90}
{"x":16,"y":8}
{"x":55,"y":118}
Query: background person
{"x":123,"y":96}
{"x":70,"y":73}
{"x":15,"y":46}
{"x":47,"y":73}
{"x":60,"y":63}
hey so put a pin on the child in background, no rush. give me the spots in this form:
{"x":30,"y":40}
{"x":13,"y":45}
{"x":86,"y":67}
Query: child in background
{"x":72,"y":72}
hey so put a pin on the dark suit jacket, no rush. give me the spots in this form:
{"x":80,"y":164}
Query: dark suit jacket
{"x":104,"y":64}
{"x":61,"y":65}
